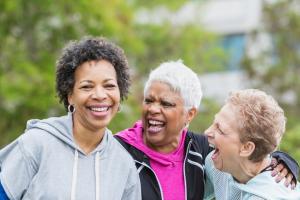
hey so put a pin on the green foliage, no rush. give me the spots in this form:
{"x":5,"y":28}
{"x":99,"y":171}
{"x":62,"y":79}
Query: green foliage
{"x":278,"y":66}
{"x":33,"y":32}
{"x":31,"y":35}
{"x":290,"y":142}
{"x":205,"y":116}
{"x":154,"y":3}
{"x":198,"y":49}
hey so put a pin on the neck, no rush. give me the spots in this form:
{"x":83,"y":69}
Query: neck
{"x":164,"y":148}
{"x":248,"y":169}
{"x":86,"y":139}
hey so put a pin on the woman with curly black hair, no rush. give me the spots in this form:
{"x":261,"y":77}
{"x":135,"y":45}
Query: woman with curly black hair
{"x":75,"y":156}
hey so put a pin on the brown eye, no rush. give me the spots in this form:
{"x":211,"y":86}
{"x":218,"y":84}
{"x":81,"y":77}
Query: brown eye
{"x":110,"y":86}
{"x":85,"y":87}
{"x":147,"y":101}
{"x":167,"y":104}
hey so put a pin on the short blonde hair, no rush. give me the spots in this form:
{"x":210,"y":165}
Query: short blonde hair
{"x":261,"y":120}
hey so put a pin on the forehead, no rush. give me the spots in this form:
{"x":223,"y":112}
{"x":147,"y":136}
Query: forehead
{"x":228,"y":118}
{"x":162,"y":90}
{"x":95,"y":70}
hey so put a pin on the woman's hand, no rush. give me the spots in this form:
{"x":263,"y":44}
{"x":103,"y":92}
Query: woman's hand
{"x":281,"y":171}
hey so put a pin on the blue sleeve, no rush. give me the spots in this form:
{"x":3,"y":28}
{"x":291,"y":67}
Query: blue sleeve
{"x":288,"y":161}
{"x":3,"y":195}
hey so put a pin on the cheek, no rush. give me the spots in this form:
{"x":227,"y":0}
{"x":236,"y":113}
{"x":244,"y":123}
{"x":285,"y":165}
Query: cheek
{"x":144,"y":109}
{"x":116,"y":96}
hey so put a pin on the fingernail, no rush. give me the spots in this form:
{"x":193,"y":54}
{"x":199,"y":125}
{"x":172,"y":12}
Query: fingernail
{"x":286,"y":184}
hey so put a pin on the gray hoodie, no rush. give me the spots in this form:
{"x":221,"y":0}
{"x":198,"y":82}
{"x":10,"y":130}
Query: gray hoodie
{"x":45,"y":163}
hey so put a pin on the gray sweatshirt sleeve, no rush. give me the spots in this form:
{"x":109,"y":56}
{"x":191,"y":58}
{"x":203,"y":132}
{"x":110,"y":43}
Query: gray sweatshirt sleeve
{"x":17,"y":169}
{"x":133,"y":189}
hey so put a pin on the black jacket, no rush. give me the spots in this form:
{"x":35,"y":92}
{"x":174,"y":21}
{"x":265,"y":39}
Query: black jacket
{"x":196,"y":149}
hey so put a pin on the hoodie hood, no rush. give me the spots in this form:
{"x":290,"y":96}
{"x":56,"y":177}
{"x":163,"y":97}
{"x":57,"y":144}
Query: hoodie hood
{"x":62,"y":128}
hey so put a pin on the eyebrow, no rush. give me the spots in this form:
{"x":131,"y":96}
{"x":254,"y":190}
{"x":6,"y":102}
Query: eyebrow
{"x":106,"y":80}
{"x":85,"y":81}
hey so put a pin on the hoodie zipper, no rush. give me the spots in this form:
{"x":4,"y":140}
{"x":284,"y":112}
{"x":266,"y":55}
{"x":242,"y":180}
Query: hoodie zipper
{"x":144,"y":164}
{"x":185,"y":158}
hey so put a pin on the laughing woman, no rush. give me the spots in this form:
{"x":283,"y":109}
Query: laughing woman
{"x":246,"y":130}
{"x":169,"y":158}
{"x":75,"y":156}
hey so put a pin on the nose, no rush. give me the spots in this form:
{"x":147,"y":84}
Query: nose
{"x":99,"y":93}
{"x":154,"y":108}
{"x":209,"y":132}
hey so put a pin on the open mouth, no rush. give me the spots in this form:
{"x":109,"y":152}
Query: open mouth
{"x":155,"y":126}
{"x":216,"y":151}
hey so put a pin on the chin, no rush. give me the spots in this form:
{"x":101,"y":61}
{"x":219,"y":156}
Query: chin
{"x":151,"y":140}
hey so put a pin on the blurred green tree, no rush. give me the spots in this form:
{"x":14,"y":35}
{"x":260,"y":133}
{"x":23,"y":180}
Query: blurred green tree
{"x":277,"y":67}
{"x":31,"y":35}
{"x":33,"y":32}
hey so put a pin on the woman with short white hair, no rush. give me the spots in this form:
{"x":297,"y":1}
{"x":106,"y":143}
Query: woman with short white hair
{"x":169,"y":158}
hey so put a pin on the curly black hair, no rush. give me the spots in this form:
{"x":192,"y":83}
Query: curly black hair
{"x":88,"y":49}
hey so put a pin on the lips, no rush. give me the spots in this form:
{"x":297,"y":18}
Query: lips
{"x":99,"y":111}
{"x":155,"y":126}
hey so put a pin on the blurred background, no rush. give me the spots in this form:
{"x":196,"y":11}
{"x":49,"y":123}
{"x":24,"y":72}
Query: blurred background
{"x":231,"y":44}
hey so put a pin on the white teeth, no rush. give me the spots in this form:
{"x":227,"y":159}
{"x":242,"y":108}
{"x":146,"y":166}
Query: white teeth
{"x":101,"y":109}
{"x":154,"y":122}
{"x":212,"y":145}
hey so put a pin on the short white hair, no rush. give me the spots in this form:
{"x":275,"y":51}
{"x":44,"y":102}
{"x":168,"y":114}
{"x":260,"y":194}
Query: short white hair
{"x":181,"y":79}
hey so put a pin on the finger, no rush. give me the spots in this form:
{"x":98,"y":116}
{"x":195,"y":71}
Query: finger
{"x":293,"y":185}
{"x":288,"y":180}
{"x":277,"y":169}
{"x":274,"y":162}
{"x":281,"y":175}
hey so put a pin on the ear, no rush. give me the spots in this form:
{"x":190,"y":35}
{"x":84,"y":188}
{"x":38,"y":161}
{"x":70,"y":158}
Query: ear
{"x":247,"y":149}
{"x":191,"y":114}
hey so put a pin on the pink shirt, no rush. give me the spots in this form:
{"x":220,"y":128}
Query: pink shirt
{"x":167,"y":167}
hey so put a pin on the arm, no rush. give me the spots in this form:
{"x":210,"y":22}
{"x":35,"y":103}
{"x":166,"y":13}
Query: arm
{"x":17,"y":169}
{"x":133,"y":189}
{"x":287,"y":167}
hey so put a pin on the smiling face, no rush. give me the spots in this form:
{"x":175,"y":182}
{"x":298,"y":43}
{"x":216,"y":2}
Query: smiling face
{"x":224,"y":135}
{"x":164,"y":117}
{"x":95,"y":95}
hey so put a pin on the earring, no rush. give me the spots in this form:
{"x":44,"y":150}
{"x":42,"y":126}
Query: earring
{"x":71,"y":108}
{"x":186,"y":125}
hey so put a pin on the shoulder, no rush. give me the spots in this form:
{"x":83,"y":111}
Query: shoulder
{"x":261,"y":183}
{"x":199,"y":143}
{"x":34,"y":140}
{"x":197,"y":137}
{"x":120,"y":150}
